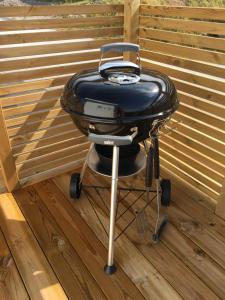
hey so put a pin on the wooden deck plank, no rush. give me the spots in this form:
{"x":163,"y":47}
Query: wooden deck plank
{"x":195,"y":258}
{"x":188,"y":263}
{"x":11,"y":284}
{"x":165,"y":261}
{"x":38,"y":277}
{"x":72,"y":273}
{"x":193,"y":207}
{"x":202,"y":264}
{"x":146,"y":277}
{"x":206,"y":239}
{"x":89,"y":248}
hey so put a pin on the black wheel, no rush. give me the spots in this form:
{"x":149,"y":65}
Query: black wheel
{"x":166,"y":192}
{"x":75,"y":186}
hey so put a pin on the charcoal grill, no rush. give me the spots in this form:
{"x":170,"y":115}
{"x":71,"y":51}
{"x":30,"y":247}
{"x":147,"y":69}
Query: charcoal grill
{"x":120,"y":106}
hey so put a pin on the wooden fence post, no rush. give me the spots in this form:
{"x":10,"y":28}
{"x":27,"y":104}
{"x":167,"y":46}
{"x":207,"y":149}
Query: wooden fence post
{"x":6,"y":158}
{"x":131,"y":25}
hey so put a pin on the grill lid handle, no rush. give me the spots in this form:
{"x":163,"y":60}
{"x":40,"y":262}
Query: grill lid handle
{"x":114,"y":65}
{"x":112,"y":140}
{"x":120,"y":47}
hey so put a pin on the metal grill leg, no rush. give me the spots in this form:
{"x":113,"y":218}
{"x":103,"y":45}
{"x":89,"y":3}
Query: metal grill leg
{"x":84,"y":167}
{"x":110,"y":268}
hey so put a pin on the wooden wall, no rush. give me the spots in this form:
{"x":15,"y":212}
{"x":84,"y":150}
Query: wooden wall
{"x":39,"y":139}
{"x":188,"y":44}
{"x":40,"y":49}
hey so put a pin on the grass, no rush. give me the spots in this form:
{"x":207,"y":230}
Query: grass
{"x":200,"y":3}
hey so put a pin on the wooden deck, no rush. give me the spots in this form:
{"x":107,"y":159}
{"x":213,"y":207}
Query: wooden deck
{"x":52,"y":248}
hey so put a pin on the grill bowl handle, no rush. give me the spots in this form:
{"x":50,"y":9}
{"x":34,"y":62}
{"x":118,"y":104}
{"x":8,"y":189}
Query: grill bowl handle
{"x":120,"y":47}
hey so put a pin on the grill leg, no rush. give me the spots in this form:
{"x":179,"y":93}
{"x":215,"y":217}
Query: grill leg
{"x":84,"y":167}
{"x":110,"y":268}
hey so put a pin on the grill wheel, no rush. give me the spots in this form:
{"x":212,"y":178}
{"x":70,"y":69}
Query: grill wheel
{"x":75,"y":186}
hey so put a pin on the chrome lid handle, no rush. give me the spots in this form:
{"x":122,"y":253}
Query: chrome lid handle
{"x":120,"y":47}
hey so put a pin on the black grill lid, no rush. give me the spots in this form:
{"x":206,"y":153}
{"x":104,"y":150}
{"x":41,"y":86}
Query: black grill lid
{"x":154,"y":93}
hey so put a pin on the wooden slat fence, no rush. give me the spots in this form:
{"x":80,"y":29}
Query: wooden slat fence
{"x":188,"y":44}
{"x":40,"y":48}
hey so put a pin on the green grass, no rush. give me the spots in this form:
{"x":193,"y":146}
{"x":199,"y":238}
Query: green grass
{"x":200,"y":3}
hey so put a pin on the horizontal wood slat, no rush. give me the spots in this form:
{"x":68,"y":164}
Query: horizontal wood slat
{"x":175,"y":168}
{"x":189,"y":151}
{"x":66,"y":156}
{"x":34,"y":69}
{"x":9,"y":102}
{"x":30,"y":128}
{"x":58,"y":10}
{"x":188,"y":44}
{"x":64,"y":143}
{"x":200,"y":91}
{"x":24,"y":139}
{"x":48,"y":60}
{"x":45,"y":138}
{"x":31,"y":108}
{"x":59,"y":35}
{"x":199,"y":146}
{"x":201,"y":126}
{"x":18,"y":51}
{"x":60,"y":23}
{"x":212,"y":178}
{"x":208,"y":13}
{"x":183,"y":25}
{"x":183,"y":51}
{"x":50,"y":71}
{"x":204,"y":180}
{"x":35,"y":117}
{"x":202,"y":104}
{"x":205,"y":68}
{"x":188,"y":39}
{"x":195,"y":135}
{"x":60,"y":166}
{"x":187,"y":75}
{"x":185,"y":43}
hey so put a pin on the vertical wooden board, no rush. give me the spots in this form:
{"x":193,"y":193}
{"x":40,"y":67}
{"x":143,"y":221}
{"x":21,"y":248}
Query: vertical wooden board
{"x":131,"y":25}
{"x":11,"y":284}
{"x":72,"y":273}
{"x":37,"y":275}
{"x":2,"y":183}
{"x":7,"y":162}
{"x":87,"y":245}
